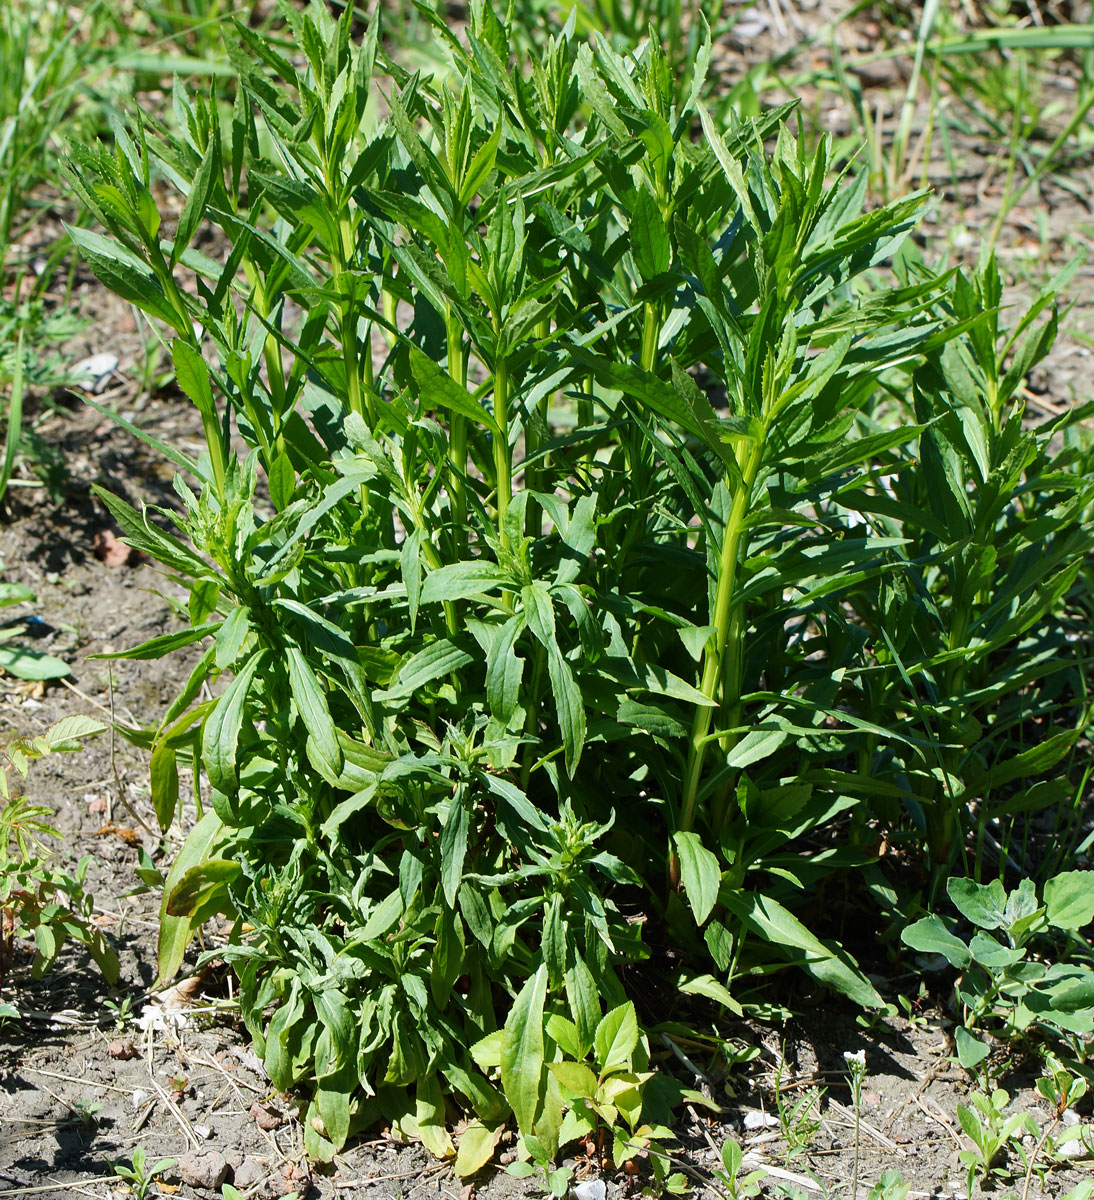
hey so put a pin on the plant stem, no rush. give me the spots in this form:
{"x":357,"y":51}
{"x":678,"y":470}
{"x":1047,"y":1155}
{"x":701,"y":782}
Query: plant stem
{"x":651,"y":334}
{"x":457,"y":446}
{"x":503,"y":464}
{"x":348,"y":324}
{"x":727,"y":622}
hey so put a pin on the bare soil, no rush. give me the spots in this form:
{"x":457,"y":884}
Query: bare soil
{"x":82,"y":1083}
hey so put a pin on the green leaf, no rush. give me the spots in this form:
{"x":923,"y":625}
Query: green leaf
{"x":983,"y":904}
{"x":649,"y":237}
{"x":25,"y":663}
{"x":175,"y":931}
{"x":930,"y":936}
{"x":476,"y":1148}
{"x":311,"y":704}
{"x":616,"y":1038}
{"x":167,"y":643}
{"x":569,"y":706}
{"x":436,"y":660}
{"x":164,"y":776}
{"x":439,"y":389}
{"x":200,"y":886}
{"x":1069,"y":900}
{"x":453,"y":848}
{"x":700,"y":874}
{"x":971,"y":1052}
{"x":708,"y":986}
{"x":522,"y":1052}
{"x":576,"y":1078}
{"x":220,"y":736}
{"x":832,"y":966}
{"x":66,"y":733}
{"x":457,"y":581}
{"x":128,"y":277}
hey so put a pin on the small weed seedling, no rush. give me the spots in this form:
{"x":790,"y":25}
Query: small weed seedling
{"x":735,"y":1185}
{"x":889,"y":1187}
{"x":139,"y":1177}
{"x":992,"y":1132}
{"x":799,"y":1120}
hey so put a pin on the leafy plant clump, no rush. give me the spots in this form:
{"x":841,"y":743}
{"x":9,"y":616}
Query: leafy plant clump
{"x":1006,"y":991}
{"x":37,"y":900}
{"x":559,"y":588}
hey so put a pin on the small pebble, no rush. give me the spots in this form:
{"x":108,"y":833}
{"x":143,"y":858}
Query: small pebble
{"x":759,"y":1120}
{"x":95,"y":371}
{"x":1072,"y":1150}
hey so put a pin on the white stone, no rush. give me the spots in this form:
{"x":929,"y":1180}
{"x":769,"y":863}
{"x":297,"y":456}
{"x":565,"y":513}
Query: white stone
{"x":759,"y":1120}
{"x":96,"y":369}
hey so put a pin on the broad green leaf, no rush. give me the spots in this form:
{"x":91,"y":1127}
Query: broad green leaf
{"x":777,"y":925}
{"x":26,"y":663}
{"x":66,"y":733}
{"x":457,"y":581}
{"x":930,"y":936}
{"x":983,"y":904}
{"x":700,"y":874}
{"x":164,"y":781}
{"x":311,"y":704}
{"x":435,"y":661}
{"x":199,"y":886}
{"x":167,"y":643}
{"x":649,"y":238}
{"x":522,"y":1052}
{"x":708,"y":986}
{"x":616,"y":1038}
{"x":1069,"y":900}
{"x":476,"y":1148}
{"x":569,"y":706}
{"x":971,"y":1051}
{"x":575,"y":1077}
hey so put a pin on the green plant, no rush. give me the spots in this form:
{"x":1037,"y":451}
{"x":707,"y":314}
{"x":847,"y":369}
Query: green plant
{"x":121,"y":1011}
{"x":729,"y":1177}
{"x":139,"y":1177}
{"x":856,"y":1068}
{"x":539,"y":587}
{"x":972,"y":641}
{"x":799,"y":1116}
{"x":992,"y":1133}
{"x":36,"y":899}
{"x":1007,"y":990}
{"x":889,"y":1187}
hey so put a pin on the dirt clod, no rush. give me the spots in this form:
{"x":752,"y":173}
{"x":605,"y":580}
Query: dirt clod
{"x":123,"y":1049}
{"x":247,"y":1174}
{"x":206,"y":1172}
{"x":266,"y":1116}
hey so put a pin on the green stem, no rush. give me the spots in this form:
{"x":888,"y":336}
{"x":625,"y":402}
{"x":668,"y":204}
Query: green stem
{"x":355,"y":392}
{"x":727,"y":621}
{"x":651,"y":334}
{"x":503,"y":463}
{"x":533,"y":516}
{"x":457,"y":445}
